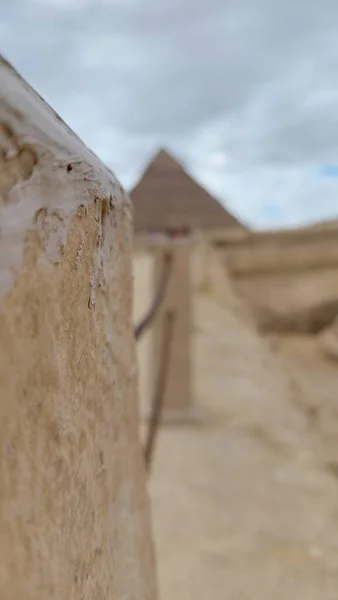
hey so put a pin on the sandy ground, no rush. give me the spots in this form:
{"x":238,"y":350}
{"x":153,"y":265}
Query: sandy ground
{"x":245,"y":504}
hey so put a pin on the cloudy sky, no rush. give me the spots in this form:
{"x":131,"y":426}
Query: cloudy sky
{"x":245,"y":92}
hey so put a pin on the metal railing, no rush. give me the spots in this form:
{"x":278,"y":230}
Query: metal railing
{"x":146,"y":322}
{"x":164,"y":358}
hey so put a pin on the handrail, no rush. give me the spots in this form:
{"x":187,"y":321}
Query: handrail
{"x":145,"y":323}
{"x":162,"y":375}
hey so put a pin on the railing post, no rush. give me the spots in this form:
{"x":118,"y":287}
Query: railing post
{"x":178,"y":396}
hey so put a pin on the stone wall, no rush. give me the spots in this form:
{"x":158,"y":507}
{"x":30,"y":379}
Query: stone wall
{"x":290,"y":279}
{"x":178,"y":298}
{"x":74,"y":513}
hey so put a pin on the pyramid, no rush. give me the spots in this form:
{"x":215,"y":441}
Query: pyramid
{"x":166,"y":196}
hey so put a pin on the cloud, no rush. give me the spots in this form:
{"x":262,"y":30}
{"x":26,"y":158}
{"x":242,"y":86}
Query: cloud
{"x":244,"y":90}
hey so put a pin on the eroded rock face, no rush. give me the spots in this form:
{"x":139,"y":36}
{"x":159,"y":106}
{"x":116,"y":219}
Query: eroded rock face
{"x":74,"y":518}
{"x":309,"y":320}
{"x":328,"y":341}
{"x":287,"y":278}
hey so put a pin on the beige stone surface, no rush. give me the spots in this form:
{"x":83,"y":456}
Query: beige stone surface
{"x":178,"y":298}
{"x":74,"y":514}
{"x":288,"y":278}
{"x":328,"y":341}
{"x":245,"y":505}
{"x":211,"y":278}
{"x":293,"y":301}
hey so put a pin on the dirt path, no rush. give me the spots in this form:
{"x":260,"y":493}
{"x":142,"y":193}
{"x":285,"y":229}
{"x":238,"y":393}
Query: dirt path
{"x":245,"y":505}
{"x":316,"y":381}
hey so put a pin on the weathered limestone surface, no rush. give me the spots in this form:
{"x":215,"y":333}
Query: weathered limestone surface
{"x":74,"y":518}
{"x":328,"y":341}
{"x":289,"y":279}
{"x":178,"y":298}
{"x":212,"y":278}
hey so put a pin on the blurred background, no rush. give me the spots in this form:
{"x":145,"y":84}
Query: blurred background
{"x":244,"y":92}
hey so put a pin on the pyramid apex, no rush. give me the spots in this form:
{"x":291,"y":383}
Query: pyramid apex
{"x":166,"y":195}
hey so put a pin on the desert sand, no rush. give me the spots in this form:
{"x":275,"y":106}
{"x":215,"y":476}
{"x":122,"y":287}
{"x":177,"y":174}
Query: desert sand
{"x":244,"y":504}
